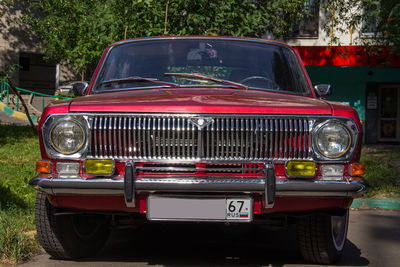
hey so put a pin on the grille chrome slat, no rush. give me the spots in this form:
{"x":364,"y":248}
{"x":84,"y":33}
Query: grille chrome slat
{"x":153,"y":135}
{"x":100,"y":137}
{"x":232,"y":146}
{"x":188,"y":139}
{"x":261,"y":138}
{"x":257,"y":137}
{"x":134,"y":145}
{"x":295,"y":130}
{"x":305,"y":139}
{"x":130,"y":150}
{"x":125,"y":143}
{"x":193,"y":142}
{"x":285,"y":155}
{"x":246,"y":155}
{"x":226,"y":138}
{"x":173,"y":137}
{"x":301,"y":134}
{"x":106,"y":143}
{"x":94,"y":134}
{"x":120,"y":144}
{"x":251,"y":139}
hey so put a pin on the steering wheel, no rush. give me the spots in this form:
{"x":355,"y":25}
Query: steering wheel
{"x":273,"y":84}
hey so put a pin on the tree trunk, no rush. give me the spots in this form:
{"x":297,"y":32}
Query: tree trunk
{"x":166,"y":17}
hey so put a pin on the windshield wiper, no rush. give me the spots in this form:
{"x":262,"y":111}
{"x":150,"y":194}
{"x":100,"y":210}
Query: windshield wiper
{"x":207,"y":78}
{"x":140,"y":79}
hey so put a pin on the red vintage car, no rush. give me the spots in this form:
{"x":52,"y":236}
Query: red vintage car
{"x":198,"y":129}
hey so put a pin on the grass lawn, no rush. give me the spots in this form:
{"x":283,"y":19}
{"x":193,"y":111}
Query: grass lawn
{"x":382,"y":167}
{"x":19,"y":150}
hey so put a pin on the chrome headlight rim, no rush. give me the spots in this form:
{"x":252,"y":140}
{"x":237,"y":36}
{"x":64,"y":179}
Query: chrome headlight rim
{"x":351,"y":129}
{"x":55,"y":147}
{"x":51,"y":122}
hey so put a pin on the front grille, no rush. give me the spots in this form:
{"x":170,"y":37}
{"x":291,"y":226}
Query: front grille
{"x":176,"y":137}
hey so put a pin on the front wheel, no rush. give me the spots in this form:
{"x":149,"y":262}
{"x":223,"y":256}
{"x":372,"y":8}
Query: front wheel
{"x":321,"y":238}
{"x":68,"y":236}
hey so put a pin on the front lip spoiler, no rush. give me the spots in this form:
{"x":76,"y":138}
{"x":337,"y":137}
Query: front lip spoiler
{"x":294,"y":188}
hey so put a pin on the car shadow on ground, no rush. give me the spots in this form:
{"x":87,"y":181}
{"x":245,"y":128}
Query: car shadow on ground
{"x":205,"y":245}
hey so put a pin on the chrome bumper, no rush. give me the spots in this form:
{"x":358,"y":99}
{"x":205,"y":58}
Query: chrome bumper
{"x":296,"y":188}
{"x":266,"y":184}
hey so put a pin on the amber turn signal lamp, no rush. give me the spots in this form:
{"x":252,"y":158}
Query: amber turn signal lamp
{"x":304,"y":168}
{"x":99,"y":166}
{"x":43,"y":166}
{"x":357,"y":169}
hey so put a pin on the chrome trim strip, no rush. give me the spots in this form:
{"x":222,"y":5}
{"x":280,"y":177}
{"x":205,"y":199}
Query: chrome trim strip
{"x":197,"y":169}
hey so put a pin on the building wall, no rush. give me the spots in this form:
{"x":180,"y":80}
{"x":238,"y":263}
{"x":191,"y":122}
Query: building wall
{"x":343,"y":34}
{"x":357,"y":76}
{"x":16,"y":41}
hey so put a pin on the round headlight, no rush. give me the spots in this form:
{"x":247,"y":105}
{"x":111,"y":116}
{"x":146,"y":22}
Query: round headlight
{"x":67,"y":136}
{"x":333,"y":140}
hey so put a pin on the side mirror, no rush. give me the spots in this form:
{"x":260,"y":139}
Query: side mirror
{"x":79,"y":88}
{"x":323,"y":90}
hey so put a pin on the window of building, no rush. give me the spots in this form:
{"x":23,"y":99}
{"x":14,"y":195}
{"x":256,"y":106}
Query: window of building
{"x":309,"y":24}
{"x":370,"y":19}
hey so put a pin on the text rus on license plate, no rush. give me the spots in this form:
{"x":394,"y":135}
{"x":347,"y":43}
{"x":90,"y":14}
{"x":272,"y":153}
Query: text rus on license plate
{"x":238,"y":209}
{"x":198,"y":209}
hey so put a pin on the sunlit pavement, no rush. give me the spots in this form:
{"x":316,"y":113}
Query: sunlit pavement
{"x":373,"y":240}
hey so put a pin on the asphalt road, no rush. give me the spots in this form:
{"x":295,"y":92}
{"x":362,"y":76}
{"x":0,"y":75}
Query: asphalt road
{"x":373,"y":240}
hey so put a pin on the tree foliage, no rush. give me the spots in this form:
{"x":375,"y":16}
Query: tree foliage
{"x":78,"y":31}
{"x":376,"y":21}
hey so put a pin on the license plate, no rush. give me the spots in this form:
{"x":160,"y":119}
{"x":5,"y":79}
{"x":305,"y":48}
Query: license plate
{"x":163,"y":208}
{"x":238,"y":209}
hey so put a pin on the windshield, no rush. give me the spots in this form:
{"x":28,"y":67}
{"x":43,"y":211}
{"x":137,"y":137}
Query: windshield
{"x":150,"y":63}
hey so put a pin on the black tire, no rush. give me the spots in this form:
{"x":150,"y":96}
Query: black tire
{"x":321,"y":238}
{"x":64,"y":237}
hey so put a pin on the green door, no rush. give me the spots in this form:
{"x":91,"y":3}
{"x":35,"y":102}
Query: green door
{"x":389,"y":113}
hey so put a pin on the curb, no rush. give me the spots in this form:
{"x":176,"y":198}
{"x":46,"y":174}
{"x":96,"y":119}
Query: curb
{"x":373,"y":203}
{"x":15,"y":114}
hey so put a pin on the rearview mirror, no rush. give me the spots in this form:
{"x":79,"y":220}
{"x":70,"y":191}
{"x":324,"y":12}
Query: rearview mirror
{"x":323,"y":90}
{"x":79,"y":88}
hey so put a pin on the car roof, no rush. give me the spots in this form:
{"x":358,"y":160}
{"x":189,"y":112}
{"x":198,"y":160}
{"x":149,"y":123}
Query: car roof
{"x":201,"y":37}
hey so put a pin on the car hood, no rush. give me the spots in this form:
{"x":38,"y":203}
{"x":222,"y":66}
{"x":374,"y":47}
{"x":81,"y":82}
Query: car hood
{"x":200,"y":100}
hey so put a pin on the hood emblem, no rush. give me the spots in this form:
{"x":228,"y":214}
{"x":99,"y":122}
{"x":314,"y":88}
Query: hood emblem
{"x":201,"y":122}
